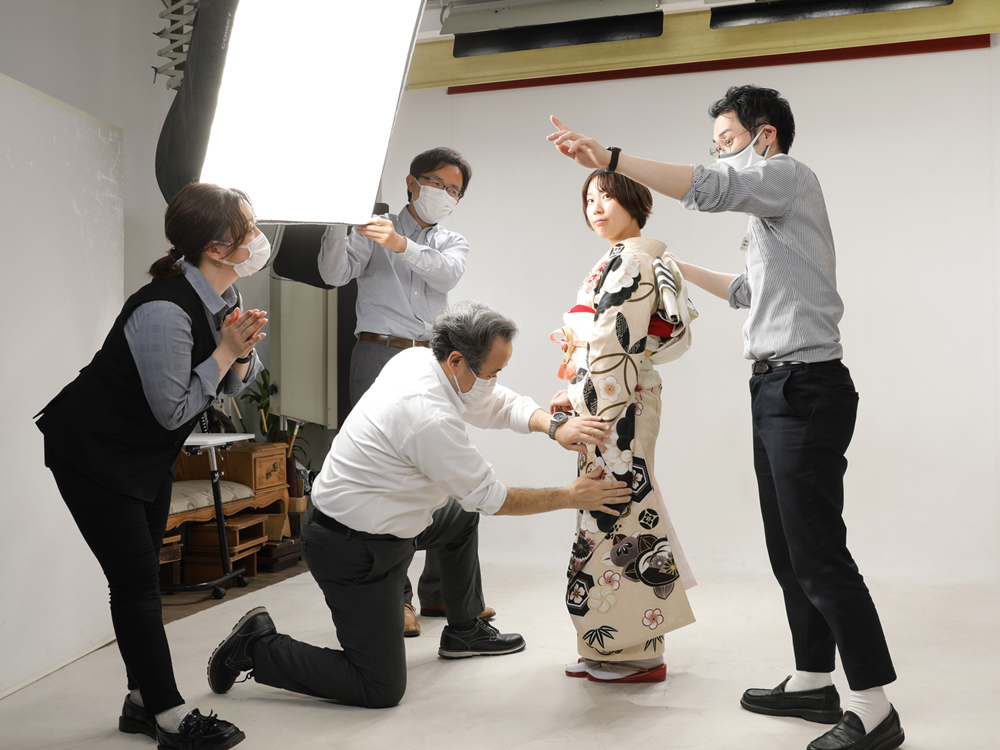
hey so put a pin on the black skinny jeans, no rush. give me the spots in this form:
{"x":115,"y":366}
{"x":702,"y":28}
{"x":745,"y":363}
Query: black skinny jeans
{"x":803,"y":421}
{"x":125,"y":535}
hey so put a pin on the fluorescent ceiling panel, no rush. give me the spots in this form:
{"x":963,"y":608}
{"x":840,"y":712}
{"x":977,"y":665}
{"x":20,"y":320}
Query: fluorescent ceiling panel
{"x":307,"y":104}
{"x":470,"y":16}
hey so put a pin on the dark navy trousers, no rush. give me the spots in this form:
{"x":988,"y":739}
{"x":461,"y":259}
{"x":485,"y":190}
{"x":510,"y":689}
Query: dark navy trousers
{"x":803,"y":421}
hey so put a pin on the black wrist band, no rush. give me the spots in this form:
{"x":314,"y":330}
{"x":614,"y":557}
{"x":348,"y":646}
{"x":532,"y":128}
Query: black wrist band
{"x":244,"y":360}
{"x":614,"y":157}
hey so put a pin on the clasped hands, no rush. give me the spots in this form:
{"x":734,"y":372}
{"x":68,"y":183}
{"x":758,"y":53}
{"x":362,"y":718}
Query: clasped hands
{"x":240,"y":332}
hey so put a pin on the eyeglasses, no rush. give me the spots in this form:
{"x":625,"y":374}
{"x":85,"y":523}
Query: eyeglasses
{"x":726,"y":144}
{"x":434,"y":182}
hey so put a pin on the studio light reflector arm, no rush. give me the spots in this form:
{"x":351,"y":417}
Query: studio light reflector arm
{"x":179,"y":15}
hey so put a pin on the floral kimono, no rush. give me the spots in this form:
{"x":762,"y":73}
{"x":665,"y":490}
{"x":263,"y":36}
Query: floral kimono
{"x":627,"y":575}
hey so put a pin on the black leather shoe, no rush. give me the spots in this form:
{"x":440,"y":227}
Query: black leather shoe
{"x":134,"y":720}
{"x":849,"y":734}
{"x":233,"y":655}
{"x":198,"y":732}
{"x":821,"y":705}
{"x":481,"y":640}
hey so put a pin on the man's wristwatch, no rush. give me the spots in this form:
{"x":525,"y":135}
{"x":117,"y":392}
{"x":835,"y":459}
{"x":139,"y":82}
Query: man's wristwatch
{"x":560,"y":417}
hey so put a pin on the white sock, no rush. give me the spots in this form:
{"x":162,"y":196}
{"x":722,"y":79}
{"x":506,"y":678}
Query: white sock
{"x":170,"y":720}
{"x":871,"y":706}
{"x":135,"y":696}
{"x":808,"y":681}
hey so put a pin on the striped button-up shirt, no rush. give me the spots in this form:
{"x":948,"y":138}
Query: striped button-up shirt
{"x":790,"y":281}
{"x":399,"y":294}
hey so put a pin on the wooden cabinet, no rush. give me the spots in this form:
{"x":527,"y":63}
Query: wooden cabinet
{"x":260,"y":466}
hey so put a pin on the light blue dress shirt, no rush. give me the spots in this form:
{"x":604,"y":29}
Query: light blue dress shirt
{"x":399,"y":294}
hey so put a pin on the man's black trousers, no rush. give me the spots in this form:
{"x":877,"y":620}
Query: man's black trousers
{"x":362,"y":580}
{"x":803,"y":421}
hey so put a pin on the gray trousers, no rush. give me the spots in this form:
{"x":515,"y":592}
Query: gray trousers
{"x":367,"y":361}
{"x":361,"y":576}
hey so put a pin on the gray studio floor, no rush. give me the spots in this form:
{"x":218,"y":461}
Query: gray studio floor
{"x":944,"y":640}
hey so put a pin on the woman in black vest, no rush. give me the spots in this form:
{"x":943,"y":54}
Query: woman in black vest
{"x":111,"y":436}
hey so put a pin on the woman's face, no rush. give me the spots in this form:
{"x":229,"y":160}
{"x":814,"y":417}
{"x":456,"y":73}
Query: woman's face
{"x":607,"y":216}
{"x":241,"y":253}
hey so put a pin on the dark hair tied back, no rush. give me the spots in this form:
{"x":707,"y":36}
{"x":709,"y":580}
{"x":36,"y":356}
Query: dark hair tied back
{"x":198,"y":216}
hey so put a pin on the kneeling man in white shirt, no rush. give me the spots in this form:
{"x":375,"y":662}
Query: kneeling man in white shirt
{"x":400,"y":454}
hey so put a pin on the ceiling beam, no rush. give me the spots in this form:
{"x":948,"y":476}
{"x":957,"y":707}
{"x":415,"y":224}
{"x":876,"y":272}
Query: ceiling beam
{"x":687,"y":38}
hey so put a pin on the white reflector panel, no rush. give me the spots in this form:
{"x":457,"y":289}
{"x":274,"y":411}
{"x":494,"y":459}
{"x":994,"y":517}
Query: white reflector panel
{"x":307,"y":104}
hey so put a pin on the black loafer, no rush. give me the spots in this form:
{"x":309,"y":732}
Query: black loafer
{"x":233,"y":655}
{"x":821,"y":705}
{"x":198,"y":732}
{"x":135,"y":720}
{"x":481,"y":640}
{"x":849,"y":734}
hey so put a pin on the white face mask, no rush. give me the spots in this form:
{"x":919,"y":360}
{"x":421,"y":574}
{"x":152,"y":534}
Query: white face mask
{"x":480,"y":390}
{"x":433,"y":204}
{"x":746,"y":157}
{"x":260,"y":250}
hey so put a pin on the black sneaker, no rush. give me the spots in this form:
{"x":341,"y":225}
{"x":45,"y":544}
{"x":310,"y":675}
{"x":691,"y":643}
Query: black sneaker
{"x":198,"y":732}
{"x":481,"y":640}
{"x":232,"y":656}
{"x":135,"y":720}
{"x":821,"y":705}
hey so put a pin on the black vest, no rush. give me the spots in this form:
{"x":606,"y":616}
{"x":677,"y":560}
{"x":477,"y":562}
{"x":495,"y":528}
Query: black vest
{"x":101,"y":423}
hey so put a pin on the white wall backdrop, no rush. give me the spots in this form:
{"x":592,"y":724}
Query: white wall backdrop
{"x":62,"y":289}
{"x":904,"y":151}
{"x":60,"y":310}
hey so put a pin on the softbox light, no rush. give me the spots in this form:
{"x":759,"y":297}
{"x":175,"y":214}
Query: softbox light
{"x":307,"y":103}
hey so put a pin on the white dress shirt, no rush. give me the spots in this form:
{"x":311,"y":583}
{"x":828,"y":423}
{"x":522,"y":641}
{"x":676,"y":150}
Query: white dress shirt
{"x":404,"y":449}
{"x":399,"y":294}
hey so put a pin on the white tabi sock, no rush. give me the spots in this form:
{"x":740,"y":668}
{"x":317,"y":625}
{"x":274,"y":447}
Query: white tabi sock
{"x":808,"y":681}
{"x":170,"y":720}
{"x":871,"y":706}
{"x":135,"y":696}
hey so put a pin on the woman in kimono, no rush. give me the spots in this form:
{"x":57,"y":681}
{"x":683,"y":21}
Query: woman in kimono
{"x":627,"y":576}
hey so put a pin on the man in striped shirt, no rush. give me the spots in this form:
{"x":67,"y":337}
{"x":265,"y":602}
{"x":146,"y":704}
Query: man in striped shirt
{"x":803,"y":402}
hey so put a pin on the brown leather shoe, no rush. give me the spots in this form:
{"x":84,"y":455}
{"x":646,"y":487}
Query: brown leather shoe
{"x":411,"y":628}
{"x":437,"y":610}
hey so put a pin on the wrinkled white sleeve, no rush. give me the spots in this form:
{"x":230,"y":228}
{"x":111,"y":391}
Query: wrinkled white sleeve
{"x":502,"y":410}
{"x":442,"y":451}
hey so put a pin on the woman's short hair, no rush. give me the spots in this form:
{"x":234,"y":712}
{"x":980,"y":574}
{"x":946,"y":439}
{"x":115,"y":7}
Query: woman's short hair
{"x":630,"y":195}
{"x":201,"y":213}
{"x":470,"y":328}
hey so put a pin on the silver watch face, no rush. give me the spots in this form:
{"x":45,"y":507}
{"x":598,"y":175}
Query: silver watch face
{"x":560,"y":417}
